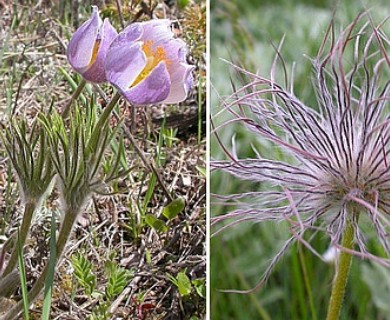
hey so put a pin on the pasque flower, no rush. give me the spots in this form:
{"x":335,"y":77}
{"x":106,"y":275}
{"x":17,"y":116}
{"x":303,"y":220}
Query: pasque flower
{"x":147,"y":64}
{"x":88,"y":47}
{"x":336,"y":172}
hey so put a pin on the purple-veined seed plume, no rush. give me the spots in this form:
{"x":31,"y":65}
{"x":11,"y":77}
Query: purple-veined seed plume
{"x":338,"y":152}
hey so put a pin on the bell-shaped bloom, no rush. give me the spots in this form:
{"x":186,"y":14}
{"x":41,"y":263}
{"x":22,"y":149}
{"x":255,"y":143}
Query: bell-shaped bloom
{"x":147,"y":64}
{"x":88,"y":47}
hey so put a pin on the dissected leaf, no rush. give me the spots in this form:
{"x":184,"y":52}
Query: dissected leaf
{"x":83,"y":273}
{"x":117,"y":279}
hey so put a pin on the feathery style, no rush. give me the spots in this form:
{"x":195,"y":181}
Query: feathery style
{"x":338,"y":167}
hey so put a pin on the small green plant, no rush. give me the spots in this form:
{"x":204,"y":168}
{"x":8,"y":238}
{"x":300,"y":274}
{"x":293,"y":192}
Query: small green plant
{"x":100,"y":312}
{"x":200,"y":287}
{"x":174,"y":208}
{"x":169,"y":136}
{"x":83,"y":273}
{"x":170,"y":212}
{"x":182,"y":282}
{"x":156,"y":223}
{"x":118,"y":278}
{"x":186,"y":286}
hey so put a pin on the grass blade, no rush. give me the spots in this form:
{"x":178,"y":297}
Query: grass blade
{"x":50,"y":275}
{"x":23,"y":281}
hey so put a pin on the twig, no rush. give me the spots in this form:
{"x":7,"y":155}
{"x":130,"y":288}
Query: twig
{"x":121,"y":19}
{"x":147,"y":162}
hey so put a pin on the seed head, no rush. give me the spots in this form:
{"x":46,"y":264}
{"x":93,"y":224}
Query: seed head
{"x":338,"y":163}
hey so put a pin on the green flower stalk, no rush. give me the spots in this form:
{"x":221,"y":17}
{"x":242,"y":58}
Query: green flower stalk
{"x":341,"y":277}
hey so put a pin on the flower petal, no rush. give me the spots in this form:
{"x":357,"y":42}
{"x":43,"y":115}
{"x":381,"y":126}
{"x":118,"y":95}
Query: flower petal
{"x":159,"y":30}
{"x":81,"y":45}
{"x":176,"y":50}
{"x":153,"y":89}
{"x":149,"y":47}
{"x":96,"y":72}
{"x":124,"y":63}
{"x":129,"y":35}
{"x":181,"y":79}
{"x":180,"y":71}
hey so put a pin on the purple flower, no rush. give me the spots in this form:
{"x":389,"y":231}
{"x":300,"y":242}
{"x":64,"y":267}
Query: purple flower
{"x":147,"y":64}
{"x":336,"y":169}
{"x":88,"y":47}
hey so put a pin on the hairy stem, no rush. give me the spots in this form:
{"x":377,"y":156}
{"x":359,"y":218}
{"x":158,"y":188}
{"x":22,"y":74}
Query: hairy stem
{"x":9,"y":283}
{"x":9,"y":278}
{"x":75,"y":95}
{"x":63,"y":237}
{"x":341,"y":277}
{"x":24,"y":229}
{"x":107,"y":111}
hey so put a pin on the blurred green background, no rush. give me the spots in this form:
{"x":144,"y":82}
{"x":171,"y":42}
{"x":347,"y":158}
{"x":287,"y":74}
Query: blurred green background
{"x":243,"y":31}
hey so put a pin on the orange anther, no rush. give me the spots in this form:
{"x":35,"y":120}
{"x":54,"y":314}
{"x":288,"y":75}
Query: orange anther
{"x":153,"y":58}
{"x":94,"y":52}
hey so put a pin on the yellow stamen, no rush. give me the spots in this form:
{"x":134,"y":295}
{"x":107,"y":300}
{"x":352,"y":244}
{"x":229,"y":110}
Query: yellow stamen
{"x":153,"y":58}
{"x":94,"y":52}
